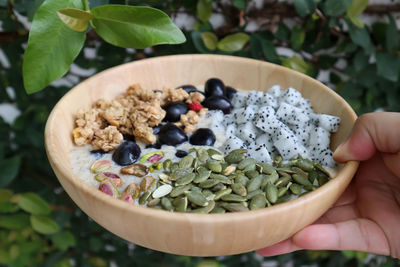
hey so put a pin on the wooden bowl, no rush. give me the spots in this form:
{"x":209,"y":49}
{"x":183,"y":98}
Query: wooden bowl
{"x":195,"y":234}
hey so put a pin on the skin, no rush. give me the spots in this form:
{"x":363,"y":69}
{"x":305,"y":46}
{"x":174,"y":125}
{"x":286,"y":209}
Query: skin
{"x":367,"y":216}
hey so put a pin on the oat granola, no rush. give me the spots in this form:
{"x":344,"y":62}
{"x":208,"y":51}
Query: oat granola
{"x":134,"y":113}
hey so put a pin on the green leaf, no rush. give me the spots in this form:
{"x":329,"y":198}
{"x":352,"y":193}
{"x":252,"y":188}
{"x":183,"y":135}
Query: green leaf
{"x":52,"y":46}
{"x":283,"y":32}
{"x":336,"y":7}
{"x":356,"y":20}
{"x":360,"y":61}
{"x":32,"y":203}
{"x":210,"y":40}
{"x":241,"y":4}
{"x":360,"y":36}
{"x":135,"y":26}
{"x":391,"y":36}
{"x":304,"y":7}
{"x":14,"y":221}
{"x":233,"y":42}
{"x":8,"y":207}
{"x":5,"y":195}
{"x":75,"y":19}
{"x":9,"y":170}
{"x":357,"y":7}
{"x":198,"y":42}
{"x":297,"y":38}
{"x":204,"y":10}
{"x":63,"y":240}
{"x":297,"y":63}
{"x":388,"y":66}
{"x":44,"y":224}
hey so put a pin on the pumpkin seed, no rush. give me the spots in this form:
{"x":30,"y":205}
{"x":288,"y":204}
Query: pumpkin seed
{"x":301,"y":180}
{"x":241,"y":179}
{"x":283,"y":181}
{"x":180,"y":204}
{"x":211,"y":152}
{"x":240,"y":150}
{"x":250,"y":167}
{"x":322,"y":179}
{"x":277,"y":160}
{"x":252,"y":174}
{"x":179,"y":190}
{"x":244,"y":163}
{"x":208,"y":194}
{"x":167,"y":164}
{"x":153,"y":202}
{"x":321,"y":169}
{"x":284,"y":198}
{"x":197,"y":198}
{"x":186,"y":179}
{"x":239,"y":189}
{"x":166,"y":204}
{"x":233,"y":207}
{"x":206,"y":209}
{"x":233,"y":198}
{"x":234,"y":157}
{"x":258,"y":202}
{"x":202,"y":155}
{"x":254,"y":193}
{"x":228,"y":170}
{"x":161,"y":191}
{"x":186,"y":162}
{"x":266,"y":168}
{"x":295,"y":189}
{"x":254,"y":183}
{"x":271,"y":193}
{"x":304,"y":164}
{"x":214,"y":166}
{"x":282,"y":191}
{"x":221,"y":193}
{"x":218,"y":187}
{"x":313,"y":175}
{"x":221,"y":178}
{"x":144,"y":197}
{"x":218,"y":209}
{"x":208,"y":183}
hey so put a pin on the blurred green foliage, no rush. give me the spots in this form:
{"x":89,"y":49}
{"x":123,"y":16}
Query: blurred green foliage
{"x":41,"y":226}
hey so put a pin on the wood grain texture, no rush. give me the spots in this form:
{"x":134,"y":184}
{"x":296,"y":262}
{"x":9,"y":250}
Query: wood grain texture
{"x":195,"y":234}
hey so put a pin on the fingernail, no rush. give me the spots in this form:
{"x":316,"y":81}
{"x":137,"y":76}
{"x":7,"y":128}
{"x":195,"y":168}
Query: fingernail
{"x":341,"y":151}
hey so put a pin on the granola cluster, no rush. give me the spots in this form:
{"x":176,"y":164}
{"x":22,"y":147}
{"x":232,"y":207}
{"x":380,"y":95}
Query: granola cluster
{"x":134,"y":113}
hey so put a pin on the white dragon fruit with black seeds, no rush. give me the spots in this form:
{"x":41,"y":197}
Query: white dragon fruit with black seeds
{"x":244,"y":115}
{"x":291,"y":96}
{"x":239,"y":100}
{"x":253,"y":98}
{"x":259,"y":152}
{"x":275,"y":91}
{"x":247,"y":132}
{"x":232,"y":143}
{"x":328,"y":122}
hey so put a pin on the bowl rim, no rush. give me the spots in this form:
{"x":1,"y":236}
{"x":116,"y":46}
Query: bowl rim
{"x":76,"y":181}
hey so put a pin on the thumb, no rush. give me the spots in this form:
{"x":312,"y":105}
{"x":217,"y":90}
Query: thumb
{"x":373,"y":132}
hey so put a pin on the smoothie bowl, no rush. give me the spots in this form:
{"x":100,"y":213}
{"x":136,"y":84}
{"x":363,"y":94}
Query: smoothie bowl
{"x":255,"y":156}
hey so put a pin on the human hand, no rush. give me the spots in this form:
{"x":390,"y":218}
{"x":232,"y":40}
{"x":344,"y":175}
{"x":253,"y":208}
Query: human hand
{"x":367,"y":216}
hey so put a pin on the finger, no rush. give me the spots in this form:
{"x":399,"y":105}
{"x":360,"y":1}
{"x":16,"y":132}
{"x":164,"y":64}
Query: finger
{"x":359,"y":234}
{"x":283,"y":247}
{"x":339,"y":214}
{"x":373,"y":131}
{"x":348,"y":196}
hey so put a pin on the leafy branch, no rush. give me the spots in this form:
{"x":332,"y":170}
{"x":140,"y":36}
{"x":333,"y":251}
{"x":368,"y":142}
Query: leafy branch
{"x":58,"y":34}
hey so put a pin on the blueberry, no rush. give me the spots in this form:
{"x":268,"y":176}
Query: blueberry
{"x":181,"y":153}
{"x":175,"y":110}
{"x":214,"y":86}
{"x":188,"y":88}
{"x":127,"y":153}
{"x":156,"y":129}
{"x":172,"y":135}
{"x":202,"y":137}
{"x":230,"y":92}
{"x":155,"y":145}
{"x":129,"y":137}
{"x":98,"y":153}
{"x":218,"y":102}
